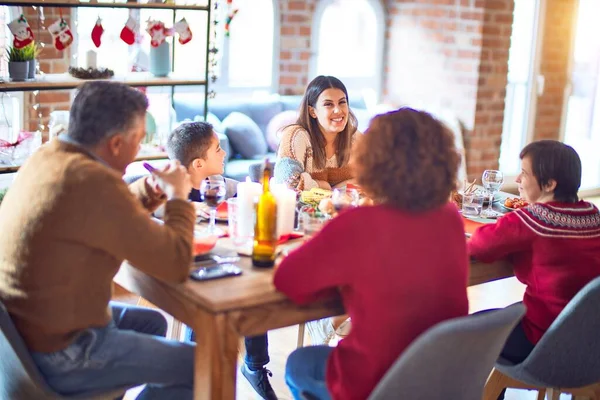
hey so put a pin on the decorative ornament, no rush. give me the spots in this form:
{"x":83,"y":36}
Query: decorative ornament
{"x":129,"y":30}
{"x":157,"y":31}
{"x":23,"y":136}
{"x":23,"y":35}
{"x":183,"y":29}
{"x":97,"y":32}
{"x":228,"y":20}
{"x":61,"y":34}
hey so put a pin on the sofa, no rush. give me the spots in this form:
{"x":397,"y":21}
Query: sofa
{"x":248,"y":127}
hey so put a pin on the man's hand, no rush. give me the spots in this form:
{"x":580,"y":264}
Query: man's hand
{"x":154,"y":189}
{"x":173,"y":180}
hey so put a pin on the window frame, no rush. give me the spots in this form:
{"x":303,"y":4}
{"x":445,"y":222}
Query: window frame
{"x":221,"y":85}
{"x":536,"y":87}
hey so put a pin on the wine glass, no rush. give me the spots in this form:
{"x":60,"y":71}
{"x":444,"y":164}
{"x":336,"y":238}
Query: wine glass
{"x":213,"y":193}
{"x":344,"y":198}
{"x":492,"y":181}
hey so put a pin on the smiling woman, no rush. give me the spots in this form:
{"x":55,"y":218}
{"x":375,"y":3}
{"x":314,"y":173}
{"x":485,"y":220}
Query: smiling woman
{"x":315,"y":151}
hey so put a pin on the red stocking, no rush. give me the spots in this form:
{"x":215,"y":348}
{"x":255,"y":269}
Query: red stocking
{"x":97,"y":32}
{"x":128,"y":32}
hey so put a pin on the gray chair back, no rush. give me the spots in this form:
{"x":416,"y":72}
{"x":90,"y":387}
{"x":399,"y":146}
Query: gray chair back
{"x":568,"y":355}
{"x":20,"y":378}
{"x":451,"y":360}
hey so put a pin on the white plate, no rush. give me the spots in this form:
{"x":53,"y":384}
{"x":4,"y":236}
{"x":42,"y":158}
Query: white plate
{"x":481,"y":220}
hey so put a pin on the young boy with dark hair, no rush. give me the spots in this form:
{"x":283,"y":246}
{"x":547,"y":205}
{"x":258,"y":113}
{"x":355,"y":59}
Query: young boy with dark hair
{"x":197,"y":147}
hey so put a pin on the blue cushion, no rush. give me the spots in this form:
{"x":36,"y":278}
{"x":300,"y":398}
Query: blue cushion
{"x":244,"y":135}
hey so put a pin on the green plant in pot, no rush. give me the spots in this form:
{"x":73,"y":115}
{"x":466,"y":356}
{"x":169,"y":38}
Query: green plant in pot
{"x":32,"y":51}
{"x":18,"y":62}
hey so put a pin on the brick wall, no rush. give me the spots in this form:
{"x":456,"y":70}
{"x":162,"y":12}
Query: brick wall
{"x":295,"y":41}
{"x":51,"y":61}
{"x":433,"y":54}
{"x":483,"y":142}
{"x":557,"y":37}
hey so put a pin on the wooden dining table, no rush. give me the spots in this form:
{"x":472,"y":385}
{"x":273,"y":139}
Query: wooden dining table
{"x":224,"y":310}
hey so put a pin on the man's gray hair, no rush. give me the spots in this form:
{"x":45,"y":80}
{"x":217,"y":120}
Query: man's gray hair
{"x":102,"y":109}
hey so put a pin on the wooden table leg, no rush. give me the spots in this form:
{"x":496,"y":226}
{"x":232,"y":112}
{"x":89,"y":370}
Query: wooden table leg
{"x":216,"y":357}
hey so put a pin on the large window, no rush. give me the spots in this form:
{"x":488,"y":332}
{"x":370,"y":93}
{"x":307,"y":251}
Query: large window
{"x":520,"y":100}
{"x":348,"y":39}
{"x":247,"y":58}
{"x":582,"y":124}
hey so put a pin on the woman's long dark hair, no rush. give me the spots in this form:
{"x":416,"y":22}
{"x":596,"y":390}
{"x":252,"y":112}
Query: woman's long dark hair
{"x":343,"y":140}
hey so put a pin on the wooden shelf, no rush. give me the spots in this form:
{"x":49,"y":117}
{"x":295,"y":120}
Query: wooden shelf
{"x":74,"y":3}
{"x":66,"y":81}
{"x":7,"y":169}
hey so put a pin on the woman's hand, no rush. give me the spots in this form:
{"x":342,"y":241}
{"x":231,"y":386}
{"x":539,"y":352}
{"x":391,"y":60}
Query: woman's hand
{"x":324,"y":185}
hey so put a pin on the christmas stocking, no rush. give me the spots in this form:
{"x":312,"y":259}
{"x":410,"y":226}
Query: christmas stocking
{"x":157,"y":31}
{"x":183,"y":29}
{"x":97,"y":32}
{"x":21,"y":31}
{"x":129,"y":30}
{"x":61,"y":34}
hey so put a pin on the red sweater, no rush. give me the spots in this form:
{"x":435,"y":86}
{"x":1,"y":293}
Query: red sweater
{"x":555,"y":251}
{"x":398,"y":274}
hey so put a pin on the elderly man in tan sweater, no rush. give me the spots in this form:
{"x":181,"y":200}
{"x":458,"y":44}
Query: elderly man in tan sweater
{"x":67,"y":224}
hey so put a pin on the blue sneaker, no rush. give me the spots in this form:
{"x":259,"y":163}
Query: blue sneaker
{"x":260,"y":381}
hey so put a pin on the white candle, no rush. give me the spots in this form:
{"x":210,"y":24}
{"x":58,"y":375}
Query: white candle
{"x":286,"y":208}
{"x":247,"y":194}
{"x":91,"y":58}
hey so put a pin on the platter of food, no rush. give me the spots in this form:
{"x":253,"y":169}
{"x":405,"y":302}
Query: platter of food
{"x":513,"y":203}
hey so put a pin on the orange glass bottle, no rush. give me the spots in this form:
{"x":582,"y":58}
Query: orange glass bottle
{"x":265,"y":228}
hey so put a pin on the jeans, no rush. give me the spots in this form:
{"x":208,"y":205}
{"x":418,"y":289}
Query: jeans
{"x":257,"y":349}
{"x":305,"y":372}
{"x":128,"y":352}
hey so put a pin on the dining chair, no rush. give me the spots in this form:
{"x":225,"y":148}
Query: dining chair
{"x":451,"y":360}
{"x":20,"y":378}
{"x":565,"y":360}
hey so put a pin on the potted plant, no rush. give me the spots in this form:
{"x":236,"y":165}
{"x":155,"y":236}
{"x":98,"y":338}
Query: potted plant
{"x":18,"y":66}
{"x":31,"y":53}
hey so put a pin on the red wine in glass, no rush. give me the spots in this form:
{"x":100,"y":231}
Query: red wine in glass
{"x":213,"y":200}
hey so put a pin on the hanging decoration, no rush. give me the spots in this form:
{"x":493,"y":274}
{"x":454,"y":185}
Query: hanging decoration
{"x":36,"y":105}
{"x":97,"y":32}
{"x":22,"y":33}
{"x":213,"y":50}
{"x":157,"y":31}
{"x":61,"y":34}
{"x":129,"y":30}
{"x":230,"y":16}
{"x":183,"y":30}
